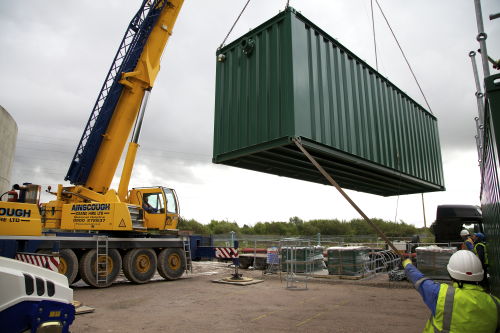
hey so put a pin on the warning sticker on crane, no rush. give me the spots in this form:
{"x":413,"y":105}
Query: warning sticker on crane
{"x":226,"y":252}
{"x":122,"y":224}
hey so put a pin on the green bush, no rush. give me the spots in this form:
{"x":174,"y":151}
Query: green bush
{"x":296,"y":226}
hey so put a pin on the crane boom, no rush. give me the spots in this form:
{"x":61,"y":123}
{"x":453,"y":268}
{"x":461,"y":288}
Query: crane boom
{"x":134,"y":70}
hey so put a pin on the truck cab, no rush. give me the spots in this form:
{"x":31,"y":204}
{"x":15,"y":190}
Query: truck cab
{"x":451,"y":219}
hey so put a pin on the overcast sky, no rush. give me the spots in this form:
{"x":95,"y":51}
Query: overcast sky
{"x":54,"y":57}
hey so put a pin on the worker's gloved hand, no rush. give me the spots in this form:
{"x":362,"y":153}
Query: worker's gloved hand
{"x":406,"y":262}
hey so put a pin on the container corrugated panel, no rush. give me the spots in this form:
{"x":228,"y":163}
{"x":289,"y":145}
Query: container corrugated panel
{"x":490,"y":180}
{"x":295,"y":81}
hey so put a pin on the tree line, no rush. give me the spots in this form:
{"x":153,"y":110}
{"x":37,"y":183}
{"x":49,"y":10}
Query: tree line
{"x":296,"y":226}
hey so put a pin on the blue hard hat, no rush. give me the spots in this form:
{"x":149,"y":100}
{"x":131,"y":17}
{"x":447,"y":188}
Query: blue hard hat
{"x":480,"y":236}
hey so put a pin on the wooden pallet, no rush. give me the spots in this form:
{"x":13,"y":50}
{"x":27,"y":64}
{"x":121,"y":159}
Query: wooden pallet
{"x":238,"y":283}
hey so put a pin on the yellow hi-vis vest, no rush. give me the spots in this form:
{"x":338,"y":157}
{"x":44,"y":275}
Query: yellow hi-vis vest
{"x":468,"y":309}
{"x":485,"y":254}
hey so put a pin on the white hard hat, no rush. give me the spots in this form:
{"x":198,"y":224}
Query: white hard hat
{"x":464,"y":233}
{"x":465,"y":266}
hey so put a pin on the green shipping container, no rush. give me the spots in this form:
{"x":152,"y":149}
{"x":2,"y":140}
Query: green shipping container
{"x":313,"y":255}
{"x":347,"y":260}
{"x":289,"y":79}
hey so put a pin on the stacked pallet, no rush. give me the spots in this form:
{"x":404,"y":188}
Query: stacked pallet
{"x":432,"y":260}
{"x":348,"y":261}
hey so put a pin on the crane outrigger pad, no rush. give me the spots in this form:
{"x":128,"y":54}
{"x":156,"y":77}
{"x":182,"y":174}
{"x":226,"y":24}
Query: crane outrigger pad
{"x":289,"y":79}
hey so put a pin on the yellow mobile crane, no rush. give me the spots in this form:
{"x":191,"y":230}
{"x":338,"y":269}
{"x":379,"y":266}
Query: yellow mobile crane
{"x":122,"y":216}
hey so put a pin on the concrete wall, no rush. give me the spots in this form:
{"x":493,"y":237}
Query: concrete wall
{"x":8,"y":139}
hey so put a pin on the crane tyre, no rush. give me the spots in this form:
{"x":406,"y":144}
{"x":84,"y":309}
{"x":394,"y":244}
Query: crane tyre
{"x":88,"y":267}
{"x":139,"y":265}
{"x":68,"y":263}
{"x":171,"y":263}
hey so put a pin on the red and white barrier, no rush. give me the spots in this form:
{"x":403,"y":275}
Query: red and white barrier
{"x":41,"y":260}
{"x":226,"y":252}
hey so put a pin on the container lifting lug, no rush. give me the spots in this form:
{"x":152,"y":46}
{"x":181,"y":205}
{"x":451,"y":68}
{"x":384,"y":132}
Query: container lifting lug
{"x":247,"y":45}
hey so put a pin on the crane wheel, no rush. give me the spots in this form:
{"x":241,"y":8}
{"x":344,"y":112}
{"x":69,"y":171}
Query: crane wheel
{"x":88,"y":267}
{"x":171,"y":263}
{"x":68,"y":263}
{"x":139,"y":265}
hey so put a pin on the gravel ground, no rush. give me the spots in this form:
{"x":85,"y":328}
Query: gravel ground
{"x":195,"y":304}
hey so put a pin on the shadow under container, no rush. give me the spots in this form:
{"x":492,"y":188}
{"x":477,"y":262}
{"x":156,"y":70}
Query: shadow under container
{"x":432,"y":261}
{"x":348,"y":261}
{"x":308,"y":259}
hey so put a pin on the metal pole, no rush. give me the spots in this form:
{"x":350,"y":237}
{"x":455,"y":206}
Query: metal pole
{"x":479,"y":155}
{"x":319,"y":239}
{"x":254,"y":254}
{"x":479,"y":95}
{"x":140,"y":118}
{"x":481,"y":37}
{"x":479,"y":129}
{"x":334,"y":183}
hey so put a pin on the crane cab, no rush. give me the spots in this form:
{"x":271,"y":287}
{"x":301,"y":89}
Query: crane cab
{"x":160,"y":206}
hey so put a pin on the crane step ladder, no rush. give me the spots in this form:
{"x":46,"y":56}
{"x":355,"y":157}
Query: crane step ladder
{"x":101,"y":265}
{"x":187,"y":253}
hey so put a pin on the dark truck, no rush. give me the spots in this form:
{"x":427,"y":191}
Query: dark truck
{"x":451,"y":219}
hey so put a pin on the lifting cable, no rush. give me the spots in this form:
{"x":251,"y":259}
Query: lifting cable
{"x":374,"y":41}
{"x":403,"y":54}
{"x":222,"y":45}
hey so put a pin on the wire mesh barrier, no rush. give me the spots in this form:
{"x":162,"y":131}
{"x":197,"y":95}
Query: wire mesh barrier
{"x":384,"y":261}
{"x":298,"y":256}
{"x":308,"y":259}
{"x":325,"y":240}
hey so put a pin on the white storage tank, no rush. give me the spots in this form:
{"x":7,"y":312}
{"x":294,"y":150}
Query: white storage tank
{"x":8,"y":139}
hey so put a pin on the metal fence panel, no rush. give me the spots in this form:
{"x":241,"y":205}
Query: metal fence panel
{"x":490,"y":186}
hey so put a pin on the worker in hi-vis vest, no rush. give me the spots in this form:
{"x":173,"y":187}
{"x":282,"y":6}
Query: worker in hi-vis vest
{"x":468,"y":244}
{"x":465,"y":307}
{"x":480,"y":251}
